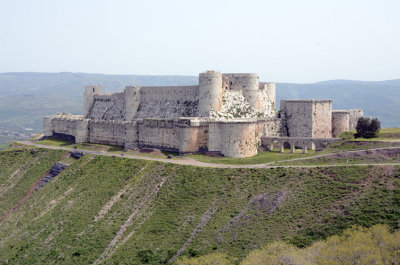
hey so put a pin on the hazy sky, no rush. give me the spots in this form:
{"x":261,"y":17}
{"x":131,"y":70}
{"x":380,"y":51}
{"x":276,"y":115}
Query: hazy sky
{"x":283,"y":41}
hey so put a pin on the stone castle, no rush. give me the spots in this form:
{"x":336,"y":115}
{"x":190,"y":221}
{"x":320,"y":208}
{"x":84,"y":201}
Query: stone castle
{"x":231,"y":114}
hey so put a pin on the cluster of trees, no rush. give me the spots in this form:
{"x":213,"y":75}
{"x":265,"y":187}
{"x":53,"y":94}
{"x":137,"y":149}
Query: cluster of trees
{"x":367,"y":127}
{"x":357,"y":245}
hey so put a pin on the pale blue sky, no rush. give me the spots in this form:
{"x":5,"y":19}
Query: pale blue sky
{"x":283,"y":41}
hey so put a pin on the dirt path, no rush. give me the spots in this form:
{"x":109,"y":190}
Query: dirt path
{"x":193,"y":162}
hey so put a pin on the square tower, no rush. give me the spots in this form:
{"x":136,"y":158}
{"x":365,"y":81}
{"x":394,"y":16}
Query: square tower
{"x":307,"y":118}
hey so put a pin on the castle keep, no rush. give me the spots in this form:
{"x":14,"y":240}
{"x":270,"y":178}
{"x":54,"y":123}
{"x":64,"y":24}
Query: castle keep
{"x":233,"y":114}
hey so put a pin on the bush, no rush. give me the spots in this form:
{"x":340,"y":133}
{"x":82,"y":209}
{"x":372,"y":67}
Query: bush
{"x":367,"y":128}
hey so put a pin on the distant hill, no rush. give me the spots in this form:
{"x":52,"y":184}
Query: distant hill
{"x":378,"y":99}
{"x":26,"y":97}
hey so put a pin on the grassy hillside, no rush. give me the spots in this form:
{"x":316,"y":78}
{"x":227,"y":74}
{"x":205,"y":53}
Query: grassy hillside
{"x":121,"y":211}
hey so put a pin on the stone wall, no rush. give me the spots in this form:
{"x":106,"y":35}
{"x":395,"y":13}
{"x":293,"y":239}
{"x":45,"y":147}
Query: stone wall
{"x":67,"y":124}
{"x":108,"y":107}
{"x":271,"y":127}
{"x":107,"y":132}
{"x":168,"y":102}
{"x":158,"y":133}
{"x":192,"y":135}
{"x":355,"y":114}
{"x":307,"y":118}
{"x":340,"y":122}
{"x":131,"y":135}
{"x":297,"y":117}
{"x":322,"y":119}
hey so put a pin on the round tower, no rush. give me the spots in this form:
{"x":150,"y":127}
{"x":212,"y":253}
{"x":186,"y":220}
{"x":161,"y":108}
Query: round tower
{"x":88,"y":98}
{"x":210,"y":92}
{"x":249,"y":84}
{"x":340,"y":122}
{"x":271,"y":91}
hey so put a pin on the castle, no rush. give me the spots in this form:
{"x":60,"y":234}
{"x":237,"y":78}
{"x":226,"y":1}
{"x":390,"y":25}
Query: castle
{"x":232,"y":114}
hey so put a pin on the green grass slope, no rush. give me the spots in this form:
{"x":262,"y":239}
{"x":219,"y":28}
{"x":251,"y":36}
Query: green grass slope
{"x":111,"y":210}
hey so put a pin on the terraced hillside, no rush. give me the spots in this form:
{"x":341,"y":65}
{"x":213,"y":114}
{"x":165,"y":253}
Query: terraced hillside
{"x":113,"y":210}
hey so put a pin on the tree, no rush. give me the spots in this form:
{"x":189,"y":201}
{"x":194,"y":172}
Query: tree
{"x":367,"y":128}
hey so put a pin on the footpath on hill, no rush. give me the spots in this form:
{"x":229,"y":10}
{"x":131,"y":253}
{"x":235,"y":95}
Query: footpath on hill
{"x":193,"y":162}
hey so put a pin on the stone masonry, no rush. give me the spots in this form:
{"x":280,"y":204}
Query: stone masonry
{"x":225,"y":113}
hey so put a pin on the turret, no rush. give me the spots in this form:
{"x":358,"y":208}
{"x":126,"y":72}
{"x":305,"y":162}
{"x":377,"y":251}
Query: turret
{"x":340,"y":122}
{"x":88,"y":98}
{"x":248,"y":83}
{"x":210,"y":92}
{"x":271,"y":91}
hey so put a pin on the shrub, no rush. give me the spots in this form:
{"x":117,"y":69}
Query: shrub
{"x":367,"y":128}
